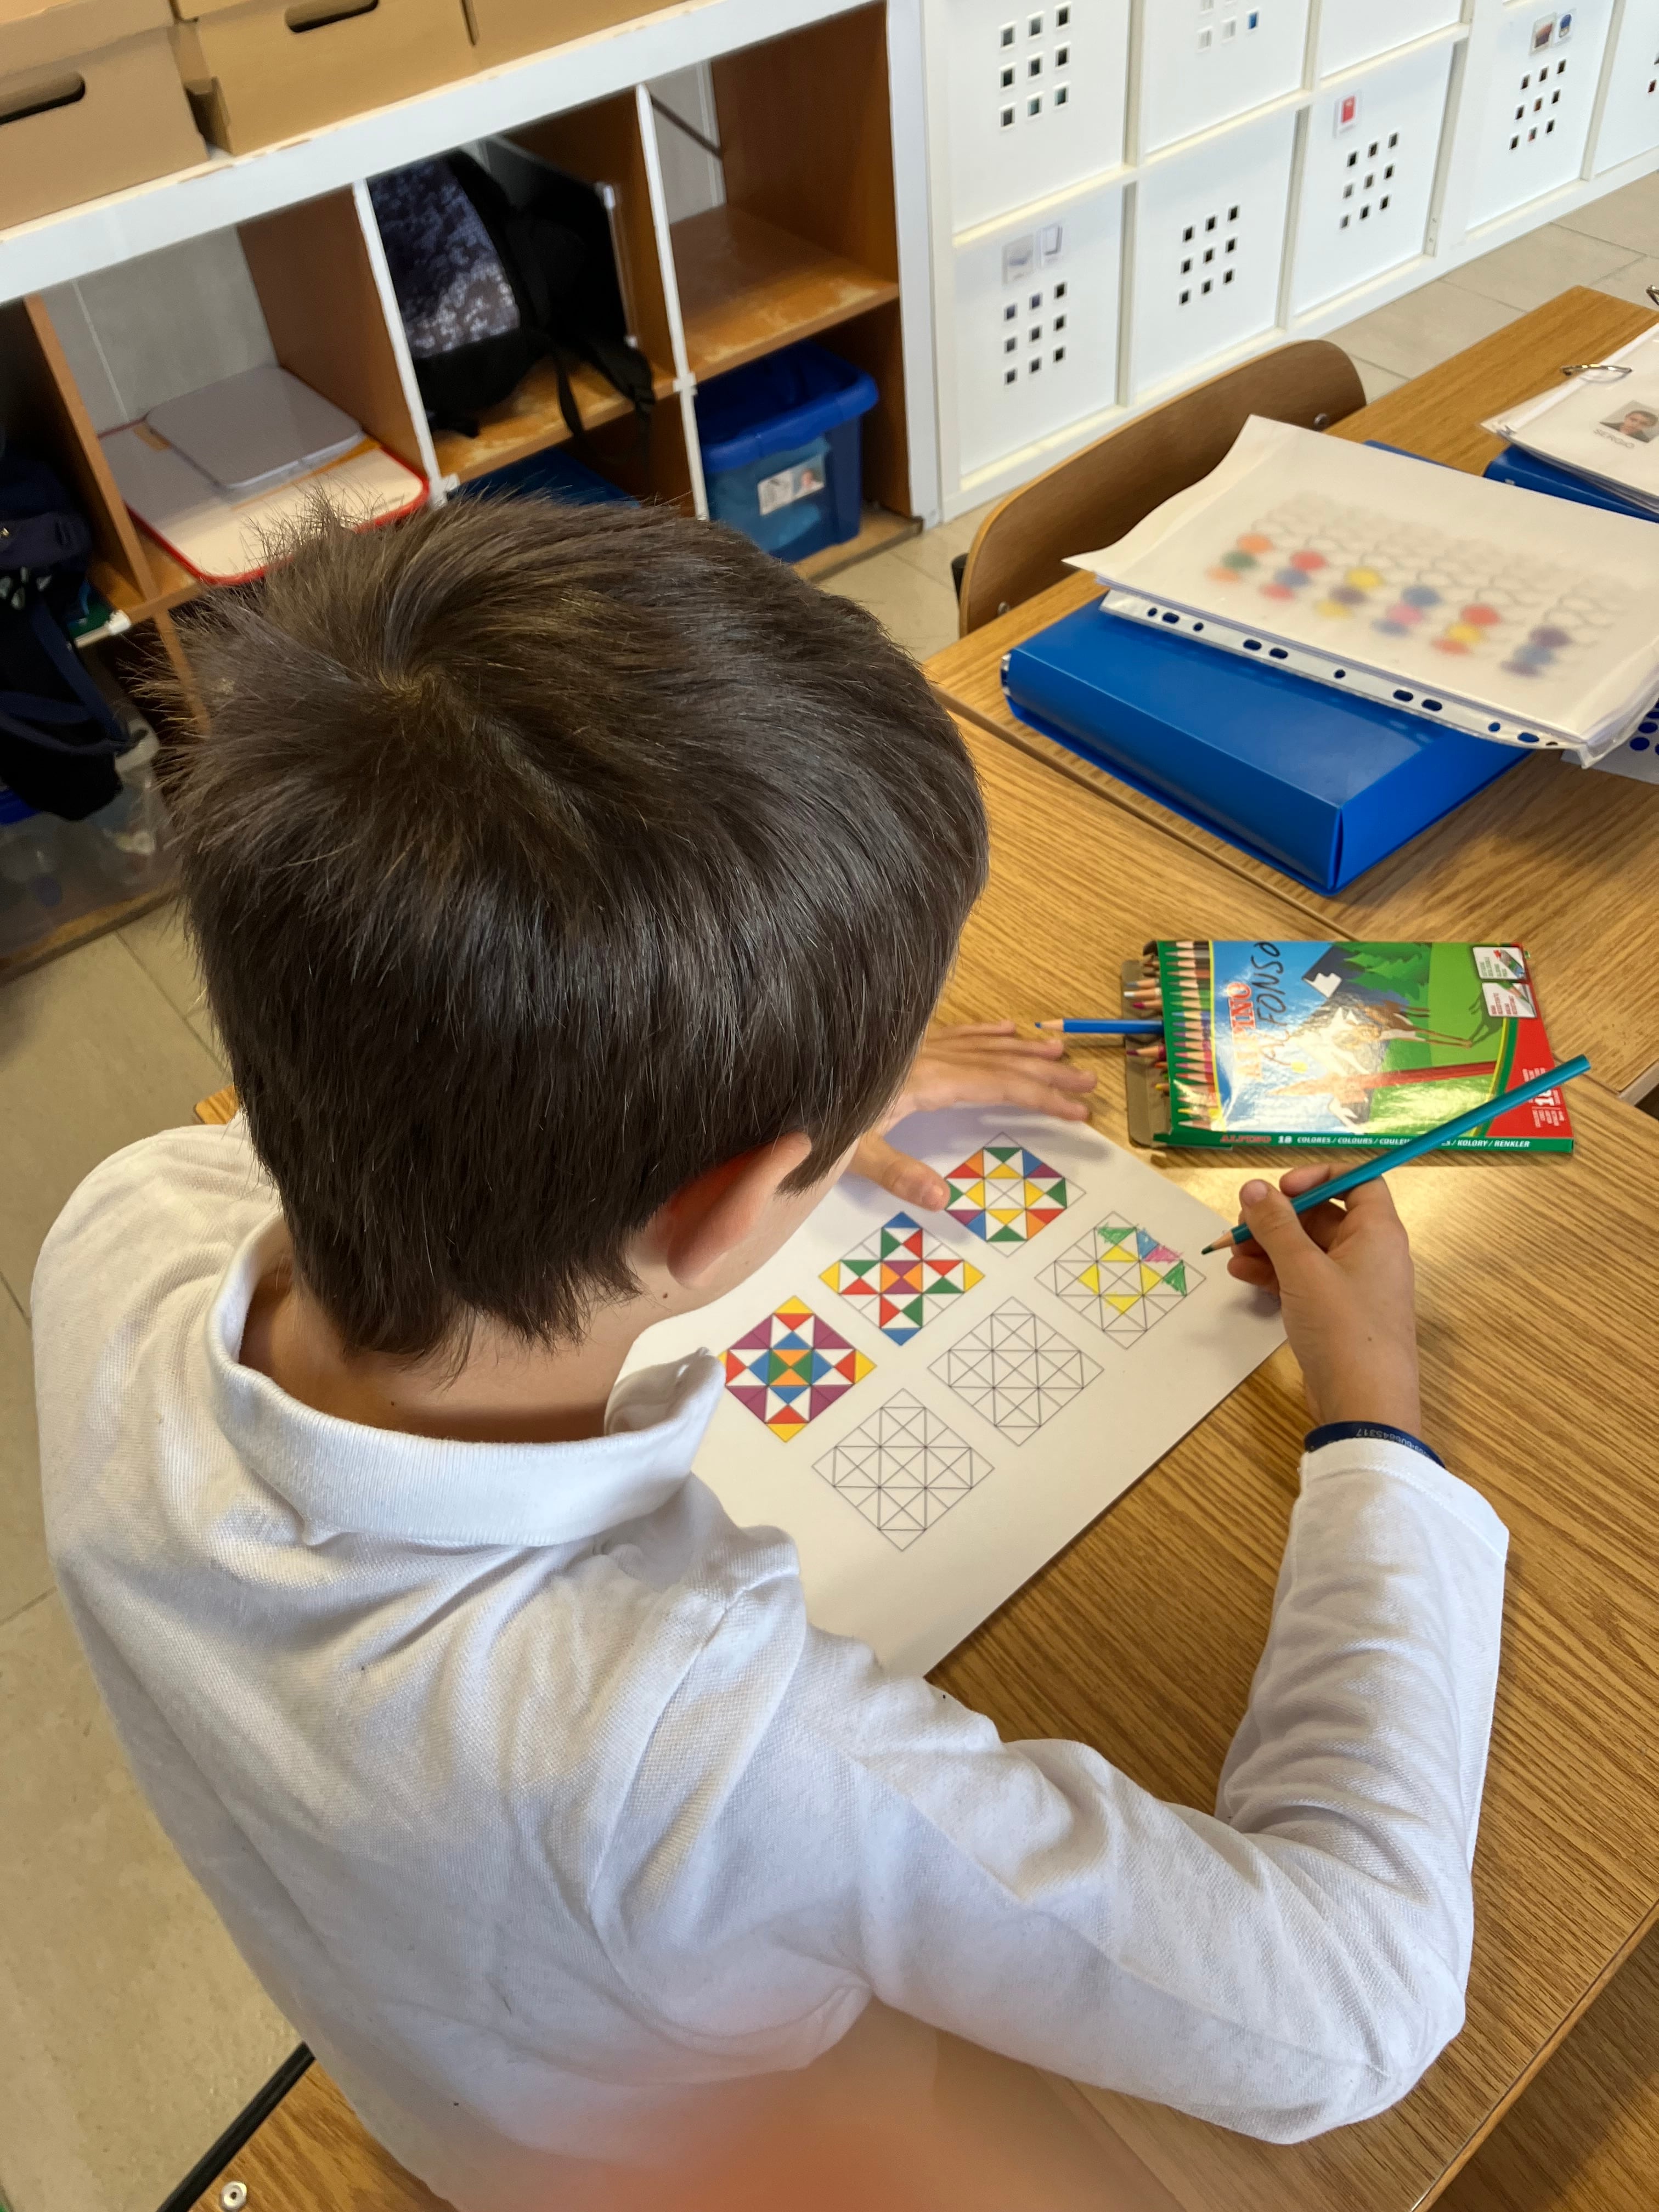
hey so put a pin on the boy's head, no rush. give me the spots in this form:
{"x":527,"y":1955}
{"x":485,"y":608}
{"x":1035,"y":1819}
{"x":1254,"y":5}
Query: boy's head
{"x":542,"y":859}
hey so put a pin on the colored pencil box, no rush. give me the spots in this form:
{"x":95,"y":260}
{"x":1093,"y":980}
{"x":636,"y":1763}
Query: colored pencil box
{"x":1320,"y":784}
{"x":1514,"y":465}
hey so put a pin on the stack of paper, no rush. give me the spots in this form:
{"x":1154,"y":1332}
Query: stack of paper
{"x":219,"y":475}
{"x":1517,"y":617}
{"x":1603,"y":425}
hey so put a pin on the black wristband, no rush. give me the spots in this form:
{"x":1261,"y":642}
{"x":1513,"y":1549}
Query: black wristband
{"x":1333,"y":1432}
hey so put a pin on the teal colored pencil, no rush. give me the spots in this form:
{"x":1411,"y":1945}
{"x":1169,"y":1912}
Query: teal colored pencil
{"x":1461,"y":1126}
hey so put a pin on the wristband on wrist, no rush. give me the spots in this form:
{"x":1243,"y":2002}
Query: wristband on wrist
{"x":1333,"y":1432}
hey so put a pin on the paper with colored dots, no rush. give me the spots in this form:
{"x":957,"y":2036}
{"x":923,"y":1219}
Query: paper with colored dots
{"x":1500,"y":612}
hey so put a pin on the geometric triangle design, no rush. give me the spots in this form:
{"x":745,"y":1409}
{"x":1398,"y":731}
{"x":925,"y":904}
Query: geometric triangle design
{"x":901,"y":1277}
{"x":903,"y":1469}
{"x":792,"y":1366}
{"x":1005,"y":1193}
{"x":1121,"y":1279}
{"x":1015,"y":1371}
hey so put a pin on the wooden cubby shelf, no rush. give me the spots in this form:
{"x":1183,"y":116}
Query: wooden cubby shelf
{"x":747,"y":287}
{"x":531,"y":420}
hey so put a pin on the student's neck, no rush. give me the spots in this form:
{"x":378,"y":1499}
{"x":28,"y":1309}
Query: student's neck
{"x":503,"y":1392}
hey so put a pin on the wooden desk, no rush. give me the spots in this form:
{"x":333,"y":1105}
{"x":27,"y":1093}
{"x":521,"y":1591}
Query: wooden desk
{"x":1141,"y":1639}
{"x":1560,"y":861}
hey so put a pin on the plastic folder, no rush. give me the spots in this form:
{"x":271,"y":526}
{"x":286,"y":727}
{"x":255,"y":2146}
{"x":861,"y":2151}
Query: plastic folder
{"x":1514,"y":466}
{"x":1321,"y":785}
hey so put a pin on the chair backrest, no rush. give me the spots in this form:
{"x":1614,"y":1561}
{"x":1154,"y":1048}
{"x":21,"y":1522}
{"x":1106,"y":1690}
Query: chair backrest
{"x":1097,"y":495}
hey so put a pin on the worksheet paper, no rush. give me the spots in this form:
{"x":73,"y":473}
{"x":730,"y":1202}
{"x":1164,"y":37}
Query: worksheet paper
{"x":932,"y":1404}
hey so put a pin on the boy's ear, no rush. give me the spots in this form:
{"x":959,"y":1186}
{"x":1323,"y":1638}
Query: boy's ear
{"x":718,"y":1212}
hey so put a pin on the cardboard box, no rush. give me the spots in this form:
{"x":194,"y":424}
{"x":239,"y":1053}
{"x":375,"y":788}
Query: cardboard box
{"x":505,"y":30}
{"x":258,"y":70}
{"x":89,"y":102}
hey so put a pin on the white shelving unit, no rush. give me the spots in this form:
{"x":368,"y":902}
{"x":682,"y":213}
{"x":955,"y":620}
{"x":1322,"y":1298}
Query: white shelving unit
{"x":1366,"y":148}
{"x":1069,"y":141}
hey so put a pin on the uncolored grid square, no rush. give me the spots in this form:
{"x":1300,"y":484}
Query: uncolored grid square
{"x":1015,"y":1371}
{"x":902,"y":1277}
{"x":790,"y":1367}
{"x":1121,"y":1279}
{"x":904,"y":1469}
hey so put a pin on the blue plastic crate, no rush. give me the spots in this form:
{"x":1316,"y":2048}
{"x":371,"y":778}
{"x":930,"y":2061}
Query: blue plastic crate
{"x":780,"y":443}
{"x":552,"y":474}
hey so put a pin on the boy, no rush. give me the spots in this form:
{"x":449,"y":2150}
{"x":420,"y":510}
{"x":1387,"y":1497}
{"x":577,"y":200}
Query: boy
{"x":543,"y":864}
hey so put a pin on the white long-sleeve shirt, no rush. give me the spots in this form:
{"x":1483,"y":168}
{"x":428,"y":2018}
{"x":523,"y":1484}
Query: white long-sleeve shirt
{"x":523,"y":1782}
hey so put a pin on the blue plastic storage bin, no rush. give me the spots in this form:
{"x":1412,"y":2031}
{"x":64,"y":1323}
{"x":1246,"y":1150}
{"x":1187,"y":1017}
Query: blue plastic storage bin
{"x":552,"y":474}
{"x":780,"y":445}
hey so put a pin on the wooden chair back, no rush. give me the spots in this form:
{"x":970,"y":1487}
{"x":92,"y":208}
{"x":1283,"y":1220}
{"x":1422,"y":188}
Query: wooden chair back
{"x":1097,"y":495}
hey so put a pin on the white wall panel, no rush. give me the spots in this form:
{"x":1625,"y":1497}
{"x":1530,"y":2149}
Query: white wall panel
{"x":1355,"y":31}
{"x":1538,"y":99}
{"x":1205,"y":61}
{"x":1630,"y":121}
{"x":1034,"y":100}
{"x":1209,"y":240}
{"x":1368,"y":175}
{"x":1036,"y":326}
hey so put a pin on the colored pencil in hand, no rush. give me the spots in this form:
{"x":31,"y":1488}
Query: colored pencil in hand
{"x":1461,"y":1125}
{"x":1105,"y":1028}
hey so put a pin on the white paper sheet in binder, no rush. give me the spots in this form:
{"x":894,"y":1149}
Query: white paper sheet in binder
{"x":1527,"y":620}
{"x":1604,"y":424}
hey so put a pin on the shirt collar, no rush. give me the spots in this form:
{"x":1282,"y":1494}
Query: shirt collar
{"x":341,"y":1475}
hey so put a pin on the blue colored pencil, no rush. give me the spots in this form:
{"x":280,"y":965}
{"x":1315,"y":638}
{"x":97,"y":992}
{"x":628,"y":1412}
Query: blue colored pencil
{"x":1105,"y":1028}
{"x":1460,"y":1126}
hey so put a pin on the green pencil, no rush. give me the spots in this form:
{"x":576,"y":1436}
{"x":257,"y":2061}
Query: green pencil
{"x":1461,"y":1126}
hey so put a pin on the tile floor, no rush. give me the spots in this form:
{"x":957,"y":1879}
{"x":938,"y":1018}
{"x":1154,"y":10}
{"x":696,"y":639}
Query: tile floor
{"x":129,"y":2031}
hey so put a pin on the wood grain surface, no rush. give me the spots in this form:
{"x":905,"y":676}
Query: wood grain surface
{"x":1439,"y":413}
{"x":314,"y":2154}
{"x":746,"y":287}
{"x":1584,"y":2137}
{"x":1141,"y":1639}
{"x":1555,"y":858}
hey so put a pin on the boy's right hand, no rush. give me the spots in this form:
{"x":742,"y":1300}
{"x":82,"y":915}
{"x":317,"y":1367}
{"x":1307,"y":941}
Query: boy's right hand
{"x":1343,"y":1274}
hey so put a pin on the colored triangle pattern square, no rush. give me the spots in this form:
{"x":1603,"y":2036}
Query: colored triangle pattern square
{"x":1015,"y":1371}
{"x":904,"y":1469}
{"x":1121,"y":1279}
{"x":1005,"y":1193}
{"x":902,"y":1277}
{"x":790,"y":1367}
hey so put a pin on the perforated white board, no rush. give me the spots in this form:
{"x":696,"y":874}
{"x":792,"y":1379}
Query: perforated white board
{"x":1368,"y":175}
{"x":1035,"y":327}
{"x":1630,"y":121}
{"x":916,"y":1521}
{"x":1205,"y":61}
{"x":1035,"y":100}
{"x":1209,"y":241}
{"x":1539,"y":100}
{"x":1354,"y":31}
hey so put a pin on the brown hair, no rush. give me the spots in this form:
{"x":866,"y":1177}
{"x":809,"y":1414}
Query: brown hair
{"x":541,"y":858}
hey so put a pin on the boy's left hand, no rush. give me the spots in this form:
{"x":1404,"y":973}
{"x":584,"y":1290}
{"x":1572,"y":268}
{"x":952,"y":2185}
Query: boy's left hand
{"x":972,"y":1064}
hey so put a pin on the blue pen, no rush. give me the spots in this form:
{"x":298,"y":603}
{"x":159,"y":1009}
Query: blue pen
{"x":1105,"y":1028}
{"x":1462,"y":1126}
